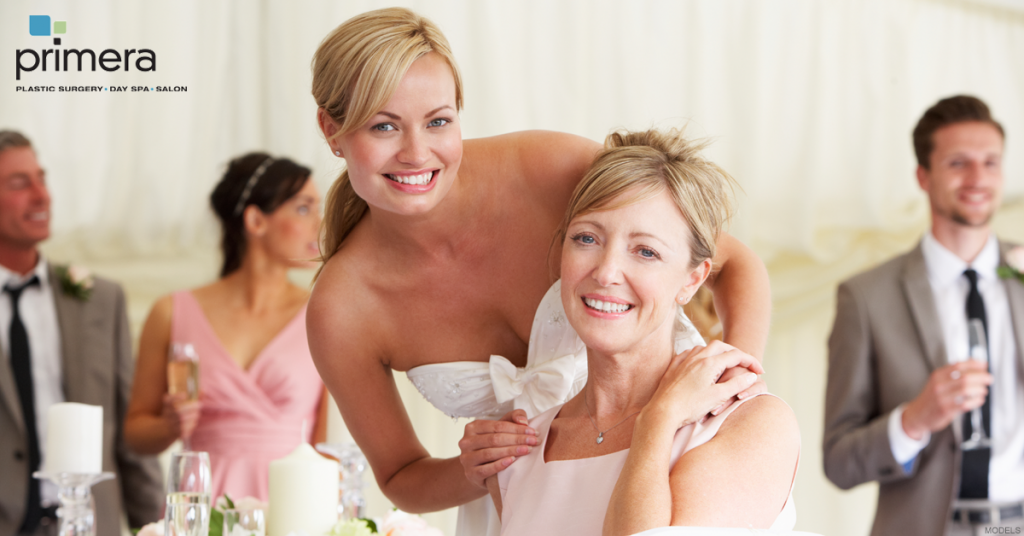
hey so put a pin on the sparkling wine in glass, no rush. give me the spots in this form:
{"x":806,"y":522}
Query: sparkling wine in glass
{"x":183,"y":375}
{"x":189,"y":485}
{"x":979,"y":351}
{"x":183,"y":370}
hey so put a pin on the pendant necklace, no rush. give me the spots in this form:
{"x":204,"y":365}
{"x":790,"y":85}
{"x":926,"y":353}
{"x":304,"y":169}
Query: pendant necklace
{"x":600,"y":434}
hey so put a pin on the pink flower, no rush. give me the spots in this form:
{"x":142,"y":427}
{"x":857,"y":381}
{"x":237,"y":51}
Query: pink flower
{"x":399,"y":523}
{"x":152,"y":529}
{"x":1015,"y":258}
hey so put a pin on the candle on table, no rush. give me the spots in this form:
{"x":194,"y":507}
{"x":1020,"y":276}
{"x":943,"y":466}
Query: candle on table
{"x":303,"y":493}
{"x":74,"y":439}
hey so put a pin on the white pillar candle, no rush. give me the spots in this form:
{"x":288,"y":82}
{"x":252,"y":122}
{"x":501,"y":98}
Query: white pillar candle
{"x":74,"y":439}
{"x":303,"y":493}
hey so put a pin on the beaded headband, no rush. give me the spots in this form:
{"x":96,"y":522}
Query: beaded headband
{"x":251,"y":183}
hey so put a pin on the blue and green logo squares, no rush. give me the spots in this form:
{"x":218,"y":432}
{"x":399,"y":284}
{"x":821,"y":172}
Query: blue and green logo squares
{"x":40,"y":25}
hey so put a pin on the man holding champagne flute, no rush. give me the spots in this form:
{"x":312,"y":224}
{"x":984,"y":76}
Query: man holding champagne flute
{"x":65,"y":338}
{"x":925,"y":392}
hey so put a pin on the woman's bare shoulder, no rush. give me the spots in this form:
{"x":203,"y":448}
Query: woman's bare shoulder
{"x":548,"y":163}
{"x":340,"y":312}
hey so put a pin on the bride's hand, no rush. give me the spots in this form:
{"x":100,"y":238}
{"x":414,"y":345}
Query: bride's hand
{"x":690,"y":387}
{"x":488,"y":447}
{"x":757,"y":388}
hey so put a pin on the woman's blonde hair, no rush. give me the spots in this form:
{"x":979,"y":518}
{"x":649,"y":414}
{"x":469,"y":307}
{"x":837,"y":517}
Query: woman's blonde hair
{"x":636,"y":166}
{"x":356,"y":70}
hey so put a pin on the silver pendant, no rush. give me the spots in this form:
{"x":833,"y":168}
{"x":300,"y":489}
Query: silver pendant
{"x":600,"y":437}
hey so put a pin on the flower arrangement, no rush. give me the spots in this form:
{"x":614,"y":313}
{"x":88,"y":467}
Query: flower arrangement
{"x":396,"y":523}
{"x":1014,"y":267}
{"x":225,"y":503}
{"x":75,"y":281}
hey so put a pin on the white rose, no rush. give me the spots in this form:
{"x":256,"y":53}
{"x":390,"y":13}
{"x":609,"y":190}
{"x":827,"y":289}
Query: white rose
{"x":399,"y":523}
{"x":152,"y":529}
{"x":1015,"y":258}
{"x":80,"y":275}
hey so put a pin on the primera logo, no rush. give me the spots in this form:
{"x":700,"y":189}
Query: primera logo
{"x":108,"y":60}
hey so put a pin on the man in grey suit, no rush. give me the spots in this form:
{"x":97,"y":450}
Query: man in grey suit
{"x":62,"y":341}
{"x":901,"y":384}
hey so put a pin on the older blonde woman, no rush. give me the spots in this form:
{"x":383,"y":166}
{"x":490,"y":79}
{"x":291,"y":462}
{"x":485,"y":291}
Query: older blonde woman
{"x":631,"y":451}
{"x":437,"y":256}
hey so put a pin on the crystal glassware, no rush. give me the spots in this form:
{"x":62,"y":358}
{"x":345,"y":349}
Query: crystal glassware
{"x":244,"y":522}
{"x":979,"y":352}
{"x":183,"y":375}
{"x":189,"y":485}
{"x":352,"y":464}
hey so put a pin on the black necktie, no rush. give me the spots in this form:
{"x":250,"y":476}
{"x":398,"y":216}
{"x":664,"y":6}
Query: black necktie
{"x":974,"y":467}
{"x":21,"y":365}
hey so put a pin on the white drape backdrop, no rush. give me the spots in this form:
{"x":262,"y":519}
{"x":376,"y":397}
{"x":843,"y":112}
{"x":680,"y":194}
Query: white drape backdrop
{"x":810,"y":104}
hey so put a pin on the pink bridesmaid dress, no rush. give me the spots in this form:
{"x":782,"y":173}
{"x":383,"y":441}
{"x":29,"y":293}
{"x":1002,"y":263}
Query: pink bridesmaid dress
{"x":250,"y":416}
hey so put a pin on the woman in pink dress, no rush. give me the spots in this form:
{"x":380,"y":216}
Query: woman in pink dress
{"x":259,"y":392}
{"x":633,"y":451}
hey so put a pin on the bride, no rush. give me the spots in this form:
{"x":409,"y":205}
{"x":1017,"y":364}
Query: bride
{"x":437,"y":254}
{"x":631,"y":452}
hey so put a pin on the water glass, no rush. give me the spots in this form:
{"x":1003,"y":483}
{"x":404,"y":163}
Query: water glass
{"x":244,"y":522}
{"x":189,"y":485}
{"x":187,"y":515}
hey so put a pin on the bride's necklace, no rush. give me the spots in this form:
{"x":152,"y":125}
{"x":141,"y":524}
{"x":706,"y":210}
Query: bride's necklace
{"x":600,"y":434}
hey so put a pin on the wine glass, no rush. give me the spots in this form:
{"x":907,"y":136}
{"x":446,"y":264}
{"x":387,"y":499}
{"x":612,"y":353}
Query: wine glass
{"x":189,"y":485}
{"x":979,"y":351}
{"x":244,"y":522}
{"x":183,"y":375}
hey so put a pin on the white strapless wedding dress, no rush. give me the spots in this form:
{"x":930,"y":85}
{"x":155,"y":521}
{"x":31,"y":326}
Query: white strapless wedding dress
{"x":556,"y":369}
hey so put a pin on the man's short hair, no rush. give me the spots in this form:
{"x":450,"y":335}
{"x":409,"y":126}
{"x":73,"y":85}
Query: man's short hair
{"x":9,"y":139}
{"x":948,"y":111}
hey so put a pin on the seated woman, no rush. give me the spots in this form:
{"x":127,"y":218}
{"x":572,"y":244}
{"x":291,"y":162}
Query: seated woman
{"x":631,"y":452}
{"x":259,"y":392}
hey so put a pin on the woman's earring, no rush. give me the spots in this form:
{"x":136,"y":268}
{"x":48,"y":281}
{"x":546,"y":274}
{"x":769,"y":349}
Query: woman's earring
{"x":337,"y":153}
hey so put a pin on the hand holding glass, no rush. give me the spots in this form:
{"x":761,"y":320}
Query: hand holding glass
{"x":183,"y":375}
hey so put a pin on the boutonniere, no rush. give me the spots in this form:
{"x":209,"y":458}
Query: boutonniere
{"x":1014,"y":266}
{"x":75,"y":281}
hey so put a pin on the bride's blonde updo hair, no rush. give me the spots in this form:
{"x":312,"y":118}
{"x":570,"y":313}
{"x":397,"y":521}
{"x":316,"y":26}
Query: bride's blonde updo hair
{"x":636,"y":166}
{"x":356,"y":70}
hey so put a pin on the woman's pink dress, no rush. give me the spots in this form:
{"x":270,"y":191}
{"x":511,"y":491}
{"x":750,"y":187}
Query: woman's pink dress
{"x":249,"y":417}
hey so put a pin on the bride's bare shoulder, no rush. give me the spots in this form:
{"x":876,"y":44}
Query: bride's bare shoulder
{"x":340,"y":310}
{"x":549,"y":163}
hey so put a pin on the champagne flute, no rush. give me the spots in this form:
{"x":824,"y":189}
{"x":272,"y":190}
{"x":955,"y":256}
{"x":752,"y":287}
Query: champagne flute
{"x":189,"y":484}
{"x":183,"y":375}
{"x":979,"y":352}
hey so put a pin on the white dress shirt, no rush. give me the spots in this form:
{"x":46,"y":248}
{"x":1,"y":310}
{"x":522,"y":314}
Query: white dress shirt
{"x":39,"y":315}
{"x":949,"y":288}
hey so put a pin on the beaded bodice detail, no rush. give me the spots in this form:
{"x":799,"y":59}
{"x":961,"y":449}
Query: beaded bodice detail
{"x":556,"y":370}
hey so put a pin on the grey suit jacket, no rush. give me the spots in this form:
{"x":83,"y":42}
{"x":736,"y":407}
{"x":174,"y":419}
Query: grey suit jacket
{"x":97,"y":368}
{"x":885,"y":343}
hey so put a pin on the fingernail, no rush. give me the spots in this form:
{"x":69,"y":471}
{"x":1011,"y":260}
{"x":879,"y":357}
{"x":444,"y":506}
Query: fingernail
{"x":532,"y":441}
{"x":522,"y":450}
{"x":531,"y":431}
{"x":508,"y":461}
{"x":751,"y":377}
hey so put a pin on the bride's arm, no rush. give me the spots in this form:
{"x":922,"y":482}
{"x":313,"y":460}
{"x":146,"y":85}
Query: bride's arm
{"x":345,"y":346}
{"x":743,"y":297}
{"x":643,"y":497}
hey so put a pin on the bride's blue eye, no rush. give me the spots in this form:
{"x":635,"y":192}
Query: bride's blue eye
{"x":440,"y":122}
{"x":384,"y":127}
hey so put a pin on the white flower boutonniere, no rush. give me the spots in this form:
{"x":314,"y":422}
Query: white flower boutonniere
{"x":1014,"y":265}
{"x":75,"y":281}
